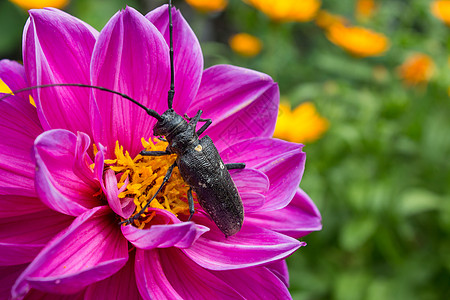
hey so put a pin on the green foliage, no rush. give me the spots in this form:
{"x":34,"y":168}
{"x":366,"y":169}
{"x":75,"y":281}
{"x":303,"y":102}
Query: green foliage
{"x":380,"y":175}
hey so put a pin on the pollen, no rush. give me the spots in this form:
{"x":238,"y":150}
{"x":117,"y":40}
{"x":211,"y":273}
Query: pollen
{"x":145,"y":175}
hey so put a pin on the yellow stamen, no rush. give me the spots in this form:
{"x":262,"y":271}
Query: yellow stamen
{"x":4,"y":88}
{"x":145,"y":175}
{"x":32,"y":102}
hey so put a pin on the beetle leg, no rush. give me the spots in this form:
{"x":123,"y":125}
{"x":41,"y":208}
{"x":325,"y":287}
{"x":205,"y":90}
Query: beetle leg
{"x":204,"y":126}
{"x":235,"y":166}
{"x":191,"y":204}
{"x":155,"y":153}
{"x":197,"y":119}
{"x":193,"y":121}
{"x":189,"y":118}
{"x":200,"y":120}
{"x":166,"y":178}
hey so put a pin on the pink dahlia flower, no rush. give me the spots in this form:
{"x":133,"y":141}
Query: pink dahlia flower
{"x":66,"y":181}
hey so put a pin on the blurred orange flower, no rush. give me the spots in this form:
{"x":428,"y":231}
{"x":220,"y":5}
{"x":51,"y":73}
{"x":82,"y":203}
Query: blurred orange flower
{"x":302,"y":125}
{"x":416,"y":69}
{"x":365,"y":9}
{"x":441,"y":10}
{"x":325,"y":19}
{"x":287,"y":10}
{"x":208,"y":5}
{"x":29,"y":4}
{"x":245,"y":44}
{"x":358,"y":41}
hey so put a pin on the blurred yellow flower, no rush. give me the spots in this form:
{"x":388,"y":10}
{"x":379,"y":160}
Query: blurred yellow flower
{"x":245,"y":44}
{"x":302,"y":125}
{"x":208,"y":5}
{"x":29,"y":4}
{"x":416,"y":69}
{"x":441,"y":10}
{"x":325,"y":19}
{"x":287,"y":10}
{"x":365,"y":9}
{"x":358,"y":41}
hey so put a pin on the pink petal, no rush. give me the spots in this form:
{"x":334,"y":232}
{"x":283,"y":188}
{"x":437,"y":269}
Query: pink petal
{"x":250,"y":180}
{"x":169,"y":274}
{"x":180,"y":235}
{"x":8,"y":276}
{"x":22,"y":238}
{"x":121,"y":285}
{"x":89,"y":250}
{"x":131,"y":57}
{"x":255,"y":283}
{"x":112,"y":195}
{"x":108,"y":183}
{"x":298,"y":219}
{"x":82,"y":160}
{"x":19,"y":127}
{"x":13,"y":74}
{"x":188,"y":58}
{"x":280,"y":269}
{"x":258,"y":152}
{"x":57,"y":48}
{"x":62,"y":173}
{"x":252,"y":201}
{"x":162,"y":217}
{"x":242,"y":104}
{"x":252,"y":246}
{"x":9,"y":205}
{"x":285,"y":174}
{"x":283,"y":163}
{"x":252,"y":186}
{"x":38,"y":295}
{"x":150,"y":278}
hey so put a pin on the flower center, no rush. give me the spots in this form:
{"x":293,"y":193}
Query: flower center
{"x":145,"y":175}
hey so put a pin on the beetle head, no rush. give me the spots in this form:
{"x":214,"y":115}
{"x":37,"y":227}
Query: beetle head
{"x":169,"y":121}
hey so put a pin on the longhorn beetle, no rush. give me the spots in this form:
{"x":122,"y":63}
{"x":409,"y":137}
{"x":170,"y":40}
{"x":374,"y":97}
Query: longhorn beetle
{"x":198,"y":160}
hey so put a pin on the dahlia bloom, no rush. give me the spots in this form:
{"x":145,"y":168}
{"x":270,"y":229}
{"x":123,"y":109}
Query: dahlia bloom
{"x":70,"y":169}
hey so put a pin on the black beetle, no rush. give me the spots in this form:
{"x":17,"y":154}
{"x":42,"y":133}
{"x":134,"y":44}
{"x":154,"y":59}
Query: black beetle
{"x":198,"y":160}
{"x":199,"y":163}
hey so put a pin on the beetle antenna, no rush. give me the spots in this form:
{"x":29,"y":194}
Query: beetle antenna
{"x":172,"y":71}
{"x":149,"y":111}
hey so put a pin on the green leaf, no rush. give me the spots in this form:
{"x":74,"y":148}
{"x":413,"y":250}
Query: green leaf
{"x":356,"y":232}
{"x":415,"y":201}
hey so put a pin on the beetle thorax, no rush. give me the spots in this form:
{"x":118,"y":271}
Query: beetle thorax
{"x":176,"y":130}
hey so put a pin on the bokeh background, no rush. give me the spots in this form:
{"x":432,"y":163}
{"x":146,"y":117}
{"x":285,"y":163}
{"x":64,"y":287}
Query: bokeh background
{"x":365,"y":86}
